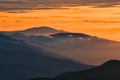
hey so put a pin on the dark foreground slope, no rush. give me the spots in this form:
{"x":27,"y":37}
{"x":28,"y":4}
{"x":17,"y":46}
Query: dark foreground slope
{"x":19,"y":61}
{"x":108,"y":71}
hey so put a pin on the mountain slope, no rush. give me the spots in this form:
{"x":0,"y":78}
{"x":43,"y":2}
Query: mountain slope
{"x":108,"y":71}
{"x":76,"y":46}
{"x":5,"y":38}
{"x":20,"y":61}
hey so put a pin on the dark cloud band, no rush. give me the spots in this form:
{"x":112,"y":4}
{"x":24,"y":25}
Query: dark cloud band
{"x":6,"y":5}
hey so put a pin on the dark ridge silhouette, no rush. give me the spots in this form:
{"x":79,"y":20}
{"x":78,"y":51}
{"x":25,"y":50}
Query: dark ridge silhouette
{"x":43,"y":28}
{"x":108,"y":71}
{"x":40,"y":30}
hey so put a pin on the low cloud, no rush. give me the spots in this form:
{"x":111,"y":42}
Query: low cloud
{"x":102,"y":21}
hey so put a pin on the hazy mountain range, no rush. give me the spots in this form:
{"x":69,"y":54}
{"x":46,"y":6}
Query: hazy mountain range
{"x":47,"y":52}
{"x":78,"y":47}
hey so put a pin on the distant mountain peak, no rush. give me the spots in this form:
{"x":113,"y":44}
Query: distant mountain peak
{"x":37,"y":31}
{"x":46,"y":27}
{"x":41,"y":28}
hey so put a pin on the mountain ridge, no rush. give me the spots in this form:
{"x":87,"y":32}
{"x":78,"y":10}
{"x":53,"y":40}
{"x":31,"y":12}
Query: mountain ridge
{"x":102,"y":72}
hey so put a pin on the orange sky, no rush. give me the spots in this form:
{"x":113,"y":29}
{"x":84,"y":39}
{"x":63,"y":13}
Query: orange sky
{"x":102,"y":22}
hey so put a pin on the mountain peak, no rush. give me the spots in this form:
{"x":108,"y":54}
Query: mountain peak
{"x":43,"y":30}
{"x":45,"y":27}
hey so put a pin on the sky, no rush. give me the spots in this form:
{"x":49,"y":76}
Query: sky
{"x":95,"y":17}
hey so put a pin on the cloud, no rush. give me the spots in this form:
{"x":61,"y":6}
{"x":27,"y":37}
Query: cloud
{"x":3,"y":16}
{"x":103,"y":21}
{"x":3,"y":20}
{"x":19,"y":6}
{"x":6,"y":5}
{"x":18,"y":21}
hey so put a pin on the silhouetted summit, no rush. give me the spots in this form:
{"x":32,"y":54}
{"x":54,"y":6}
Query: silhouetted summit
{"x":43,"y":28}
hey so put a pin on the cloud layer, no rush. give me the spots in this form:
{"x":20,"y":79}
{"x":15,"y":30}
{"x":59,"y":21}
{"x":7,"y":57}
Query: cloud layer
{"x":6,"y":5}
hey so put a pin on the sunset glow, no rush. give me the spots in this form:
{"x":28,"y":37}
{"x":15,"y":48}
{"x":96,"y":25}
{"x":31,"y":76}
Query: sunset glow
{"x":102,"y":22}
